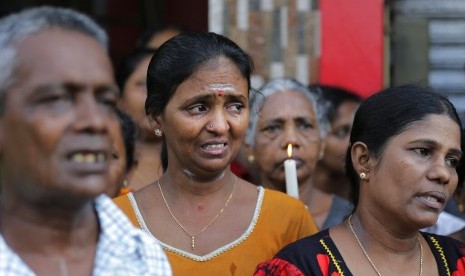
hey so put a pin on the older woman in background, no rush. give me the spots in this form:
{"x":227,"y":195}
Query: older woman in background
{"x":287,"y":113}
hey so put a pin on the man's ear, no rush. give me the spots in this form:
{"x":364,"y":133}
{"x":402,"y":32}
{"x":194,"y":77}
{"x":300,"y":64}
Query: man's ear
{"x":361,"y":159}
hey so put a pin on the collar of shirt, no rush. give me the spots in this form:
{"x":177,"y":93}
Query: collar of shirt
{"x":122,"y":249}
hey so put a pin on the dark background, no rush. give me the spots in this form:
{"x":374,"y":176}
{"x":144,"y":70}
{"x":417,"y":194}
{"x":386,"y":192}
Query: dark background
{"x":125,"y":20}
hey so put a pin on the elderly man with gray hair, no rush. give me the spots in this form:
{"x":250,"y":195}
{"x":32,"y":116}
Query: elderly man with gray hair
{"x":57,"y":103}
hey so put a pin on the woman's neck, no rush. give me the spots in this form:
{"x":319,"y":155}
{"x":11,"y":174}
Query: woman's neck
{"x":147,"y":143}
{"x":195,"y":195}
{"x":185,"y":182}
{"x":380,"y":233}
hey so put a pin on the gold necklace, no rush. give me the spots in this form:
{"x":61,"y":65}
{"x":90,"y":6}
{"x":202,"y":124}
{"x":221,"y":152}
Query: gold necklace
{"x":206,"y":226}
{"x":371,"y":262}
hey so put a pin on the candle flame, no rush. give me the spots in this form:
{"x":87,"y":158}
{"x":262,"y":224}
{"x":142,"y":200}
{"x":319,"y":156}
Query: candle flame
{"x":289,"y":150}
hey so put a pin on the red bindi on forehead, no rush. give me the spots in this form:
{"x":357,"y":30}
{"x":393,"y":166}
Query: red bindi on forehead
{"x":221,"y":89}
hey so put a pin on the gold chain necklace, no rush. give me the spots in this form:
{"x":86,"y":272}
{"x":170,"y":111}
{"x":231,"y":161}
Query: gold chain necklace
{"x":206,"y":226}
{"x":371,"y":262}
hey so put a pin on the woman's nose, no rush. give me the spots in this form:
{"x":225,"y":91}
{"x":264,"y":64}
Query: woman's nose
{"x":218,"y":123}
{"x":290,"y":136}
{"x":440,"y":172}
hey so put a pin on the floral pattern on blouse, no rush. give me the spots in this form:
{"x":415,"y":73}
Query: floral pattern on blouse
{"x":323,"y":263}
{"x":460,"y":267}
{"x":317,"y":255}
{"x":277,"y":267}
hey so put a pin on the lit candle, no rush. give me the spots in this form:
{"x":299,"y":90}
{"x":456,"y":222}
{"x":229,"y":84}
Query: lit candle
{"x":292,"y":187}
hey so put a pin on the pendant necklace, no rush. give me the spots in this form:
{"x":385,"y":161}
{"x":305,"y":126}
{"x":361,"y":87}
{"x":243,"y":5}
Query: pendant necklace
{"x":206,"y":226}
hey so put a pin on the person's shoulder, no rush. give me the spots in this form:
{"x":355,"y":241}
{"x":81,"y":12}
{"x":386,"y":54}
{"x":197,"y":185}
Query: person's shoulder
{"x":125,"y":204}
{"x":123,"y":200}
{"x":303,"y":244}
{"x":440,"y":242}
{"x":306,"y":253}
{"x":109,"y":212}
{"x":141,"y":252}
{"x":449,"y":253}
{"x":282,"y":198}
{"x":285,"y":207}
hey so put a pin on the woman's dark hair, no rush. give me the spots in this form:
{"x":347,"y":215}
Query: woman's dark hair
{"x":129,"y":64}
{"x":335,"y":96}
{"x":389,"y":112}
{"x":461,"y":167}
{"x":178,"y":58}
{"x":128,"y":131}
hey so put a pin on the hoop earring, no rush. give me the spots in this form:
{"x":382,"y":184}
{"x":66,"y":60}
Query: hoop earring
{"x":158,"y":132}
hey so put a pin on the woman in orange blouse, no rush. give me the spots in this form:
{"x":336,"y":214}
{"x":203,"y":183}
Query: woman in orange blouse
{"x":208,"y":221}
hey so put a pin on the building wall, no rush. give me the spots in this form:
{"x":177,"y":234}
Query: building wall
{"x":281,"y":35}
{"x":428,"y":41}
{"x":335,"y":42}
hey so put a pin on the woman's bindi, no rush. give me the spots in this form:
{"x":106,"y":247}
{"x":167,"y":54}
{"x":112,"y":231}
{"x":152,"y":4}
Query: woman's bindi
{"x":221,"y":89}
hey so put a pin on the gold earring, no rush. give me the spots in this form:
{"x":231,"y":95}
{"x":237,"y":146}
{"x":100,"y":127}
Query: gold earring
{"x":250,"y":158}
{"x":158,"y":132}
{"x":125,"y":183}
{"x":363,"y":176}
{"x":461,"y":207}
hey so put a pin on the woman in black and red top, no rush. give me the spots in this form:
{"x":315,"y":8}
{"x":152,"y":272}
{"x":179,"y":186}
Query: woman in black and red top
{"x":404,"y":164}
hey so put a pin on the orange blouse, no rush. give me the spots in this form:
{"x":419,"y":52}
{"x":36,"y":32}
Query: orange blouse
{"x":278,"y":220}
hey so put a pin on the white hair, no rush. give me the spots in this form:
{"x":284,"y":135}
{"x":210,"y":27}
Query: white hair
{"x":16,"y":27}
{"x":281,"y":85}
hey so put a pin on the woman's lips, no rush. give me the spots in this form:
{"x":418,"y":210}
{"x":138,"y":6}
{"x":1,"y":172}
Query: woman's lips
{"x":215,"y":148}
{"x":434,"y":200}
{"x":87,"y":161}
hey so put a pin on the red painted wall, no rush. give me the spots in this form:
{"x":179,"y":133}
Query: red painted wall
{"x":352,"y":44}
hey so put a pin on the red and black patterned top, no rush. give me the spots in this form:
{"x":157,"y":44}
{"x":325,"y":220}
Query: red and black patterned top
{"x":318,"y":255}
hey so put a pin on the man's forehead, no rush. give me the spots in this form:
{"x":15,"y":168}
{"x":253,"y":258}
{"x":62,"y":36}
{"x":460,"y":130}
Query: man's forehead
{"x":58,"y":52}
